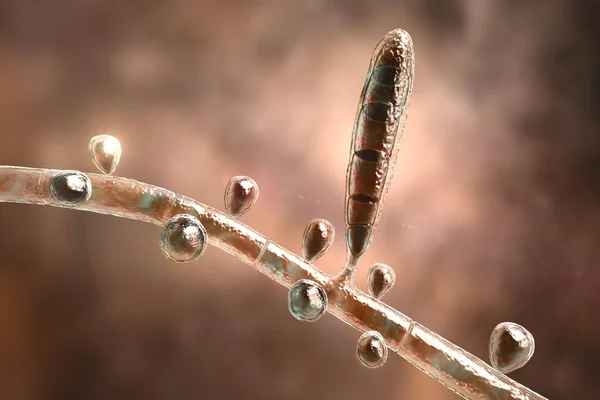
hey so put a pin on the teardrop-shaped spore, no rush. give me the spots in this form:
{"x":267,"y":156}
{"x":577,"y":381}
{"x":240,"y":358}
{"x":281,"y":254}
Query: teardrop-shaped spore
{"x":105,"y":151}
{"x":183,"y":239}
{"x":318,"y":237}
{"x":70,"y":188}
{"x":371,"y":350}
{"x":511,"y":347}
{"x":307,"y":301}
{"x":380,"y":280}
{"x":241,"y":194}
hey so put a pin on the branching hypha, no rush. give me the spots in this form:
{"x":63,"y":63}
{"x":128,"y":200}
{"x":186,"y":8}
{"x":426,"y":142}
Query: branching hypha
{"x":188,"y":226}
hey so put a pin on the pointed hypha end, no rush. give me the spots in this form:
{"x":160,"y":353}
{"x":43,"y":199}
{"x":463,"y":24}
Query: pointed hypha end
{"x":380,"y":279}
{"x":70,"y":188}
{"x":240,"y":195}
{"x":105,"y":151}
{"x":371,"y":350}
{"x":318,"y":237}
{"x":183,"y":239}
{"x":307,"y":301}
{"x":511,"y":347}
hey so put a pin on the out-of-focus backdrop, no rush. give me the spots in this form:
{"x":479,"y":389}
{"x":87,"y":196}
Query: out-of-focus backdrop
{"x":494,"y":214}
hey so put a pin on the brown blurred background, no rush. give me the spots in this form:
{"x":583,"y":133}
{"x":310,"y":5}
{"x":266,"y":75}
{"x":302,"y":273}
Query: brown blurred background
{"x":494,"y":214}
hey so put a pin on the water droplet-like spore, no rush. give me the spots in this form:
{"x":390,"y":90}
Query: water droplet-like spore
{"x":183,"y":238}
{"x":511,"y":347}
{"x":371,"y":350}
{"x":70,"y":188}
{"x":307,"y":301}
{"x":240,"y":195}
{"x":318,"y":237}
{"x":380,"y":280}
{"x":105,"y":151}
